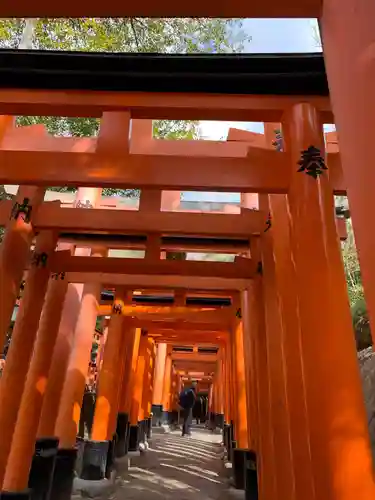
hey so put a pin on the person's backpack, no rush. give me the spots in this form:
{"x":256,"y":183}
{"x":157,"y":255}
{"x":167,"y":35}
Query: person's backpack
{"x":184,"y":401}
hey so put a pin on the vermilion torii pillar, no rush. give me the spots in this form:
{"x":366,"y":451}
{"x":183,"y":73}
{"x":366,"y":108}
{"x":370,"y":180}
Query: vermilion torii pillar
{"x":291,"y":339}
{"x":15,"y":246}
{"x":348,"y":42}
{"x":167,"y":387}
{"x":339,"y":441}
{"x":275,"y":340}
{"x":60,"y":359}
{"x":137,"y":394}
{"x":132,"y":337}
{"x":107,"y":391}
{"x":265,"y":445}
{"x":71,"y":399}
{"x":157,"y":397}
{"x":24,"y":438}
{"x":22,"y":344}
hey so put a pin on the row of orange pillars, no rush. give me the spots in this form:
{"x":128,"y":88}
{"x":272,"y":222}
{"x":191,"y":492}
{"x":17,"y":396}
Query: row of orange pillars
{"x":139,"y":387}
{"x":43,"y":382}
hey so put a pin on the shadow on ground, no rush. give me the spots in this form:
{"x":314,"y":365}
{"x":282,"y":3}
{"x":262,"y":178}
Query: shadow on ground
{"x":179,"y":468}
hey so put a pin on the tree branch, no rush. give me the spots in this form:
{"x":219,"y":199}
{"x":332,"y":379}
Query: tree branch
{"x":134,"y":32}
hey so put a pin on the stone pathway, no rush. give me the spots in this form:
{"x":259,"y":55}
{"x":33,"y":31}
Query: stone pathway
{"x":178,"y":468}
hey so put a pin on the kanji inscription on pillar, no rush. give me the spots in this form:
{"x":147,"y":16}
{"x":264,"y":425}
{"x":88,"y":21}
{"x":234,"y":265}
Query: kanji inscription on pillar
{"x":312,"y":162}
{"x":268,"y":222}
{"x":117,"y":309}
{"x":56,"y":276}
{"x":23,"y":209}
{"x":86,"y":204}
{"x":39,"y":259}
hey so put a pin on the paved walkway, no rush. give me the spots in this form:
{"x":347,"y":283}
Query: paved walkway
{"x":178,"y":468}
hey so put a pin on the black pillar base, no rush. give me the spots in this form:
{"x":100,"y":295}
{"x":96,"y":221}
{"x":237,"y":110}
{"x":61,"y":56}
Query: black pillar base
{"x":63,"y":475}
{"x":22,"y":495}
{"x":219,"y":420}
{"x":149,"y":428}
{"x":251,"y":476}
{"x":157,"y":415}
{"x":226,"y":431}
{"x":42,"y":467}
{"x":110,"y":457}
{"x":165,"y":418}
{"x":94,"y":460}
{"x":134,"y":435}
{"x":233,"y":446}
{"x":127,"y":438}
{"x":122,"y":433}
{"x":239,"y":464}
{"x":173,"y":417}
{"x":142,"y":431}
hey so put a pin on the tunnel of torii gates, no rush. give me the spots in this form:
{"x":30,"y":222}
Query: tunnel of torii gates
{"x":270,"y":333}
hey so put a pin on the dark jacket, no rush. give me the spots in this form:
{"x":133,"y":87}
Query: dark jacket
{"x":187,"y":398}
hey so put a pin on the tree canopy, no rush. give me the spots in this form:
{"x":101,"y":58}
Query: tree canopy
{"x":183,"y":35}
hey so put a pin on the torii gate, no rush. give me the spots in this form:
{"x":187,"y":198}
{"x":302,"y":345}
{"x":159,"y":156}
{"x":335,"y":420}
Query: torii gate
{"x":279,"y":348}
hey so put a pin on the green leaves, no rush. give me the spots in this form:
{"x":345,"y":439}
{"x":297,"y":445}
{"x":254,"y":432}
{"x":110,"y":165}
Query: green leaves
{"x":183,"y":35}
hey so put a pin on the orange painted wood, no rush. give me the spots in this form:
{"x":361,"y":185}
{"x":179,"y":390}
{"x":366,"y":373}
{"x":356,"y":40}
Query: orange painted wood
{"x":200,"y":358}
{"x":275,"y":341}
{"x":109,"y":374}
{"x":165,"y":8}
{"x":145,"y":281}
{"x":142,"y":105}
{"x":291,"y":348}
{"x":137,"y":387}
{"x":133,"y":335}
{"x":354,"y":104}
{"x":191,"y":149}
{"x":165,"y":313}
{"x":249,"y":324}
{"x":241,"y":426}
{"x":227,"y":408}
{"x":21,"y":348}
{"x":341,"y":429}
{"x":178,"y":324}
{"x":240,"y":269}
{"x":72,"y":394}
{"x":262,"y":171}
{"x":147,"y":381}
{"x":114,"y":131}
{"x":51,"y":216}
{"x":119,"y":384}
{"x":24,"y":437}
{"x":60,"y":360}
{"x":266,"y":452}
{"x":159,"y":374}
{"x":231,"y":247}
{"x":167,"y":383}
{"x":14,"y":254}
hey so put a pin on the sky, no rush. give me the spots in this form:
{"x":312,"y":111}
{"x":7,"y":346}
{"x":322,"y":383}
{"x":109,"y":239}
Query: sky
{"x":272,"y":36}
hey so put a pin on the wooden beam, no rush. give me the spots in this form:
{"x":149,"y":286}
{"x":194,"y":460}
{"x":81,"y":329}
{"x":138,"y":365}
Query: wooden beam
{"x":51,"y":216}
{"x":171,"y":314}
{"x":240,"y":269}
{"x":144,"y":281}
{"x":194,"y":357}
{"x":163,"y":8}
{"x":177,"y":326}
{"x":262,"y":171}
{"x":143,"y":105}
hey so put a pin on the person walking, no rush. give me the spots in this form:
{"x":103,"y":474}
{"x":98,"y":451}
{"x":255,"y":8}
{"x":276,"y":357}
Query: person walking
{"x":187,"y":400}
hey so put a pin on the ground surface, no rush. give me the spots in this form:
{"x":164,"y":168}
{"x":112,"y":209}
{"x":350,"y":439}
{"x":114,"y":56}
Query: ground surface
{"x":178,"y":468}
